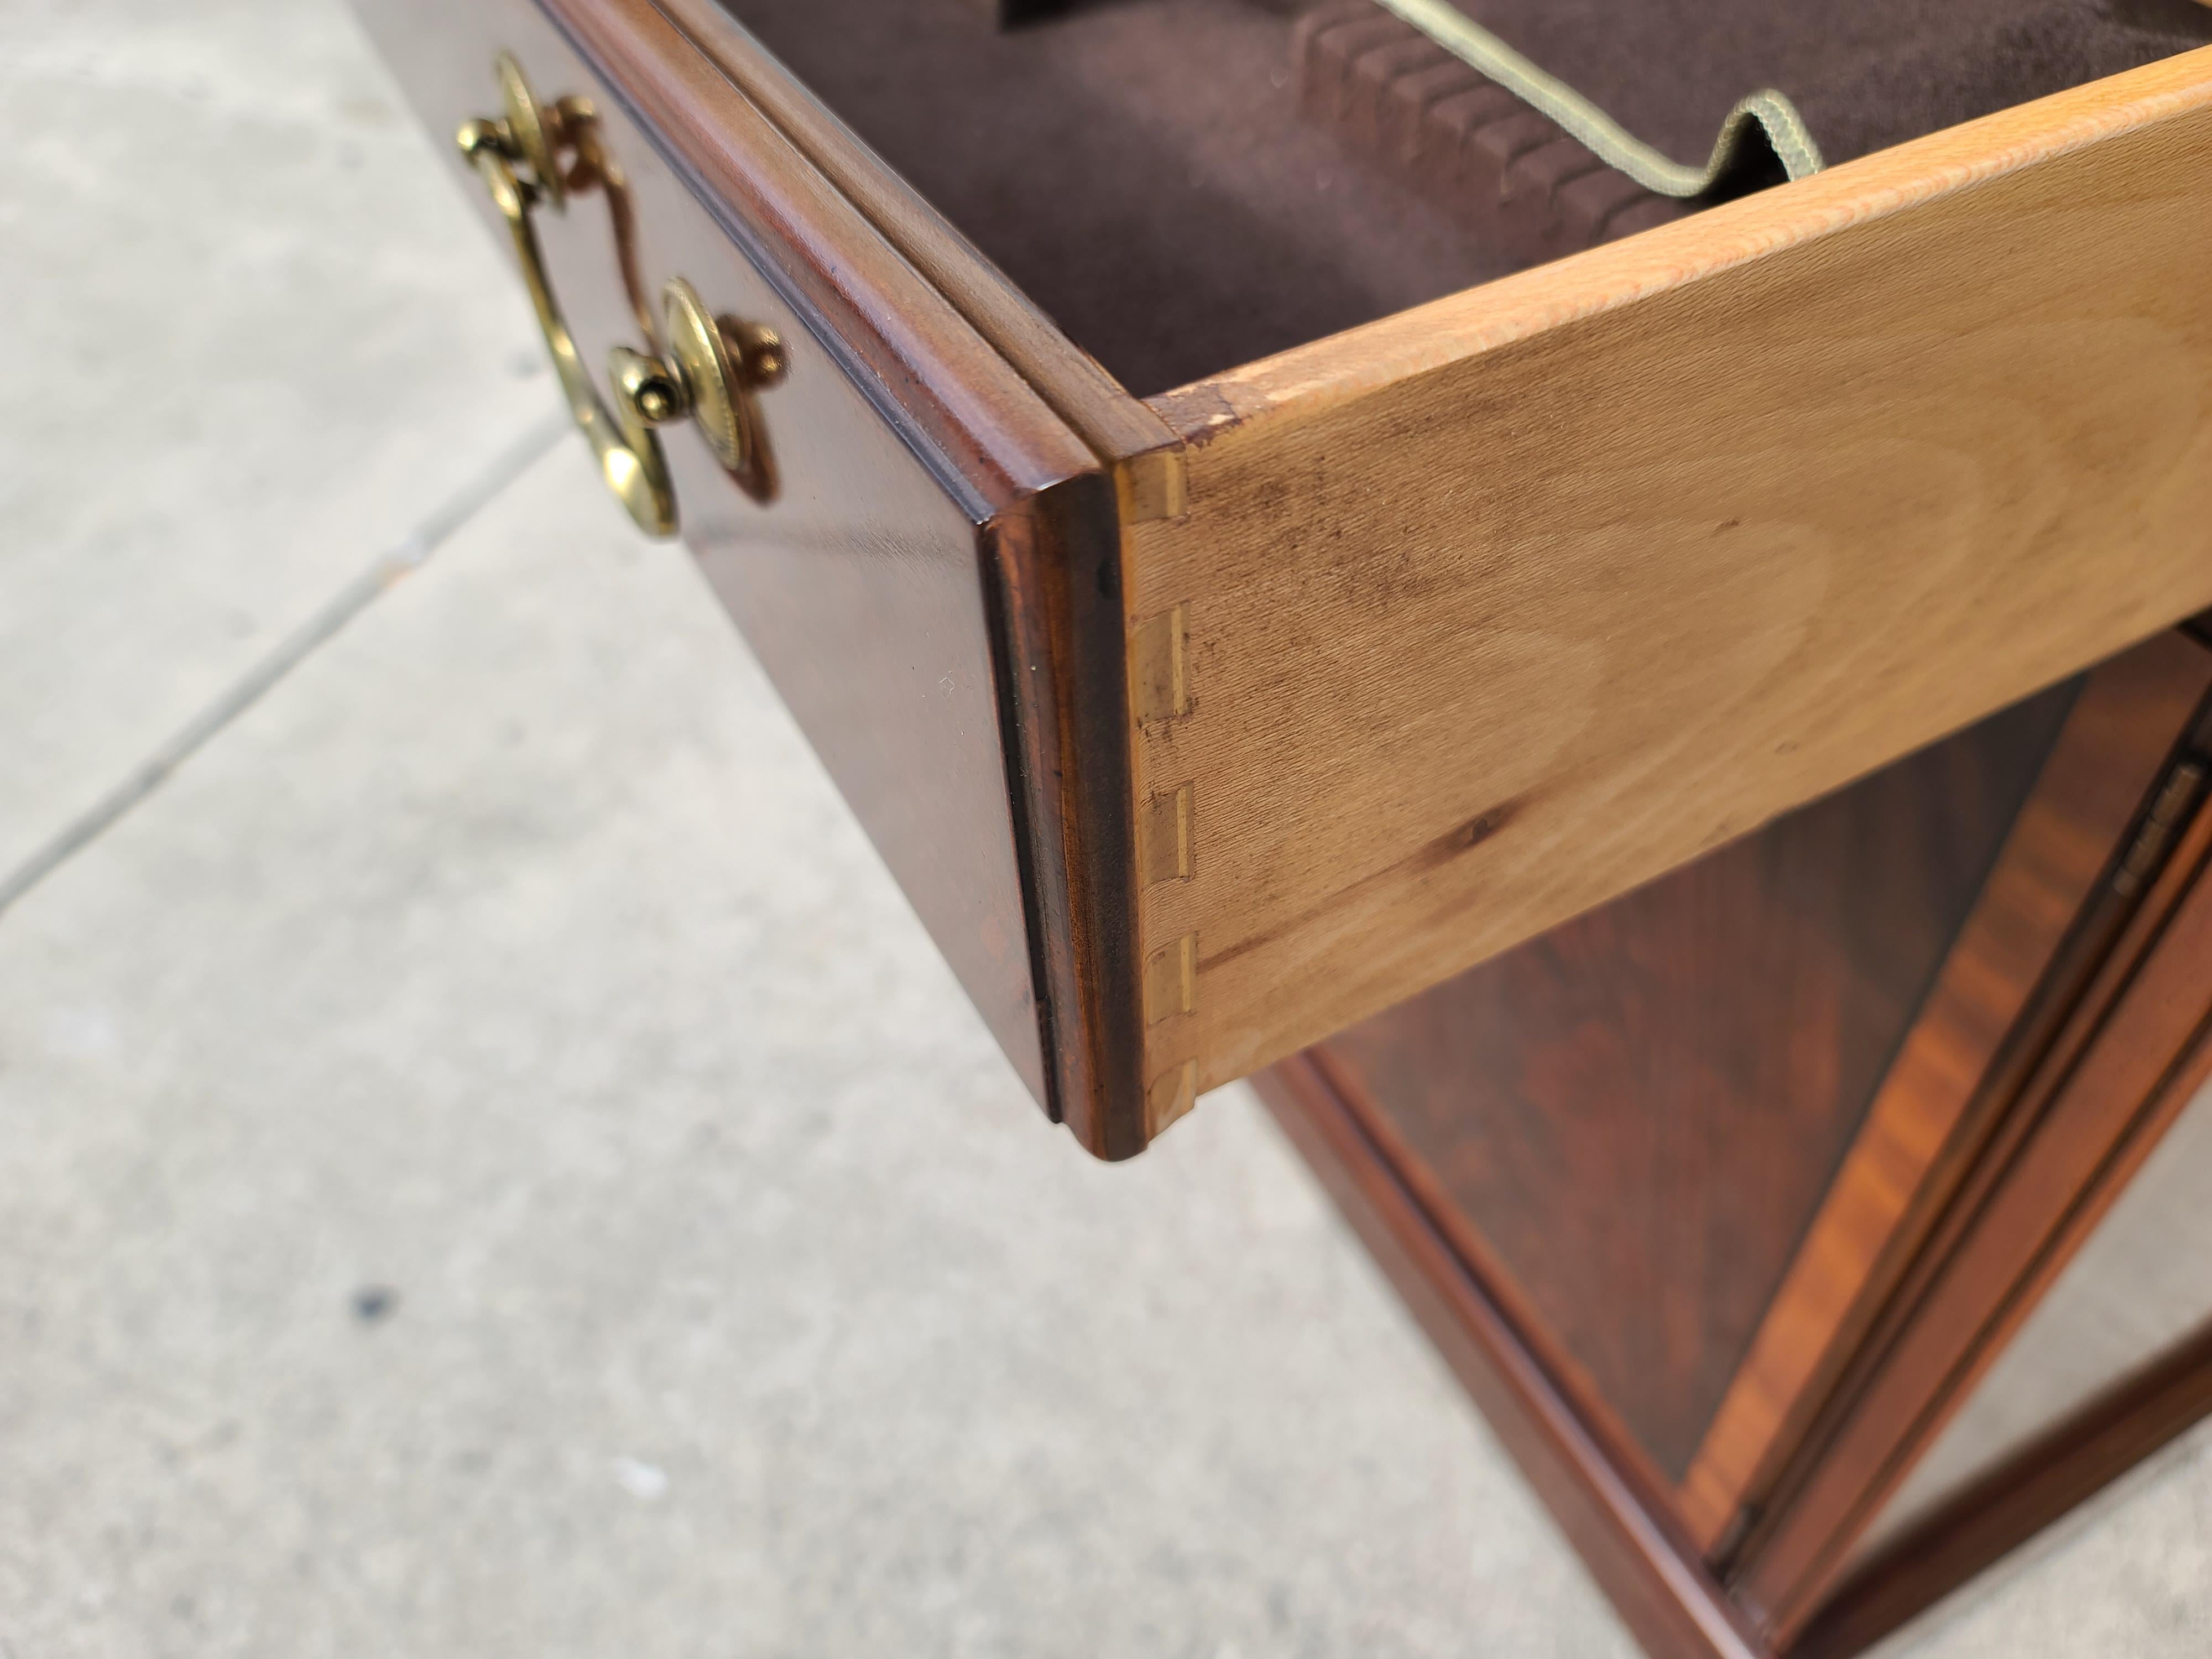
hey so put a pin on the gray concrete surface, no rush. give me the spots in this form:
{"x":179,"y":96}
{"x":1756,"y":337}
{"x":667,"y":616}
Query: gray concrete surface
{"x":490,"y":1165}
{"x":250,"y":340}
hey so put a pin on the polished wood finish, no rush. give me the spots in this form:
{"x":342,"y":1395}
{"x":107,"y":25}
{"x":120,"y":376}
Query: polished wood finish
{"x":1636,"y":1115}
{"x":934,"y":589}
{"x":2002,"y":1509}
{"x":1507,"y":604}
{"x":1068,"y":771}
{"x":2130,"y":1055}
{"x":1646,"y":1567}
{"x":2136,"y":1289}
{"x":1971,"y":1031}
{"x":2069,"y":1020}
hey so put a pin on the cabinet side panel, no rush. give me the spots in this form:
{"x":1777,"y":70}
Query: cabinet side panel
{"x":1621,"y":1527}
{"x":2132,"y":1053}
{"x":1639,"y":1112}
{"x":2037,"y":933}
{"x":2140,"y":1289}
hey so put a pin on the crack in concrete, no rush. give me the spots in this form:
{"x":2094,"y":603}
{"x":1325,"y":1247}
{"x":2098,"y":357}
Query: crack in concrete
{"x":412,"y":552}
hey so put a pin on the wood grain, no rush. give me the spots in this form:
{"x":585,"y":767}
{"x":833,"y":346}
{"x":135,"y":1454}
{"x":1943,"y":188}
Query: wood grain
{"x":1164,"y":836}
{"x":1504,"y":606}
{"x":2138,"y":1048}
{"x":2106,"y":761}
{"x":1351,"y":730}
{"x":1638,"y":1112}
{"x":2135,"y":1052}
{"x":1646,"y":1567}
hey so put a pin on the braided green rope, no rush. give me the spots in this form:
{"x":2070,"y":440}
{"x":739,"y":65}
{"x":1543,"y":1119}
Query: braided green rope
{"x":1768,"y":114}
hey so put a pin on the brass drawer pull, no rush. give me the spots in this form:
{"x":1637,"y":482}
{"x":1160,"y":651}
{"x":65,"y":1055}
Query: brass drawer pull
{"x":710,"y":367}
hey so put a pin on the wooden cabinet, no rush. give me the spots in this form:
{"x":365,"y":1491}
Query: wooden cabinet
{"x":1679,"y":754}
{"x":1726,"y":1197}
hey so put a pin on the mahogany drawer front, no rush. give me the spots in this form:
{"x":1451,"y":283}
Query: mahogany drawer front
{"x":1199,"y":727}
{"x":913,"y":470}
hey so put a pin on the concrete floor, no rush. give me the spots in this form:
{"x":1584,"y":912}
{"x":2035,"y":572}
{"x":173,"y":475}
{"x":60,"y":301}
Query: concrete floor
{"x":491,"y":1165}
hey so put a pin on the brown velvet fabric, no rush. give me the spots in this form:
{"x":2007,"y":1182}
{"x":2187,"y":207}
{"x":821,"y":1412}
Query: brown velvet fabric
{"x":1141,"y":169}
{"x":1865,"y":75}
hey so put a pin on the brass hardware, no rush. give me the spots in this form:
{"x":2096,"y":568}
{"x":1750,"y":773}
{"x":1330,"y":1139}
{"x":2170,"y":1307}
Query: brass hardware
{"x":713,"y":365}
{"x":720,"y":363}
{"x":538,"y":134}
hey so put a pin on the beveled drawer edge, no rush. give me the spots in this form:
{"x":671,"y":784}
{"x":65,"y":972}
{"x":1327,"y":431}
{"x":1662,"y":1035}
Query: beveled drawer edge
{"x":1096,"y":406}
{"x":1110,"y":1096}
{"x":1047,"y":506}
{"x":1063,"y":691}
{"x":1113,"y":1106}
{"x":981,"y":420}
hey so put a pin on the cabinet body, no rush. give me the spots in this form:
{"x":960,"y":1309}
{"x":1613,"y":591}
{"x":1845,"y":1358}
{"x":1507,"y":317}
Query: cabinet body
{"x":1750,"y":1177}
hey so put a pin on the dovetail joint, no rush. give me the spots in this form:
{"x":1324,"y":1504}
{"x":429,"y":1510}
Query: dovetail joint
{"x":1171,"y":1094}
{"x":1159,"y":683}
{"x":1171,"y":981}
{"x":1152,"y":486}
{"x":1164,"y":836}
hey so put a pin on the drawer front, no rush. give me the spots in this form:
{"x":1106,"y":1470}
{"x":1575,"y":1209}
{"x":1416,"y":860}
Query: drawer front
{"x":879,"y":573}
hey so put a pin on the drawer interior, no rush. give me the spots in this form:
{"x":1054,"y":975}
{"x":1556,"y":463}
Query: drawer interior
{"x":1145,"y":171}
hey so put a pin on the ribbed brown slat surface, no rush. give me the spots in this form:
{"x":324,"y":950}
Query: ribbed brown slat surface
{"x":1670,"y":70}
{"x":1142,"y":170}
{"x":1473,"y":148}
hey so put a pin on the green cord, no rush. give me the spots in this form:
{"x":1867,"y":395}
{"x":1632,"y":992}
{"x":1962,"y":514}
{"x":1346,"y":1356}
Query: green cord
{"x":1770,"y":113}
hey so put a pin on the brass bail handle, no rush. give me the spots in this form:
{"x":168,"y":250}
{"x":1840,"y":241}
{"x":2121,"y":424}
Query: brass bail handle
{"x":708,"y":373}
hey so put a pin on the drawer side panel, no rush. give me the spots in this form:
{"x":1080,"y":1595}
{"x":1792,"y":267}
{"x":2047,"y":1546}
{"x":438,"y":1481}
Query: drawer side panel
{"x":1506,"y":605}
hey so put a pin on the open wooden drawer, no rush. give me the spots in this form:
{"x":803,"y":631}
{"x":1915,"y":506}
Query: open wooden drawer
{"x":1201,"y":725}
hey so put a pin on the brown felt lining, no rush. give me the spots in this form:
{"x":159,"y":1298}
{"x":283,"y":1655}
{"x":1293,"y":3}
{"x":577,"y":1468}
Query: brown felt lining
{"x":1142,"y":169}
